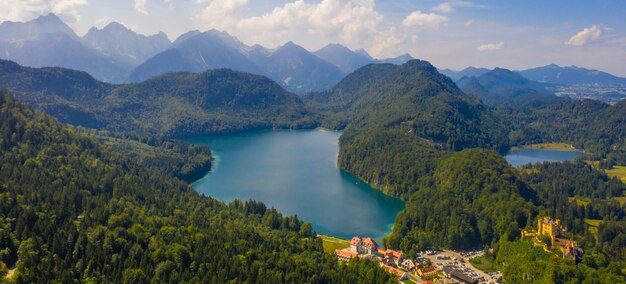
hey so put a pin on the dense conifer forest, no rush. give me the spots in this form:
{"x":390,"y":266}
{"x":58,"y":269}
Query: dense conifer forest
{"x":405,"y":139}
{"x":107,"y":196}
{"x":73,"y":210}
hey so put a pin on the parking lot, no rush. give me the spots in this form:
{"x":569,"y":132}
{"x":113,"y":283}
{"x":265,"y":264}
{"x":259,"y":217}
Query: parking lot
{"x":460,"y":261}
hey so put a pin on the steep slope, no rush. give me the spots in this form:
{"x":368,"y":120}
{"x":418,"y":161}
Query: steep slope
{"x":334,"y":103}
{"x":66,"y":94}
{"x":298,"y":70}
{"x":45,"y":24}
{"x":195,"y":53}
{"x":47,"y":41}
{"x":478,"y":199}
{"x":471,"y":85}
{"x":119,"y":42}
{"x":72,"y":210}
{"x":414,"y":97}
{"x":572,"y":75}
{"x":175,"y":105}
{"x":343,"y":58}
{"x":401,"y":120}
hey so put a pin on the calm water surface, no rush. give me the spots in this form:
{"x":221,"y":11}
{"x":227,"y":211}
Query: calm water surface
{"x":525,"y":156}
{"x":296,"y":172}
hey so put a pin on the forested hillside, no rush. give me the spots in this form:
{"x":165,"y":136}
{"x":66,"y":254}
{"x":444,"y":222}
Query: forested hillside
{"x":596,"y":127}
{"x":404,"y":127}
{"x":177,"y":158}
{"x":477,"y":199}
{"x":172,"y":105}
{"x":399,"y":121}
{"x":413,"y":97}
{"x":73,"y":210}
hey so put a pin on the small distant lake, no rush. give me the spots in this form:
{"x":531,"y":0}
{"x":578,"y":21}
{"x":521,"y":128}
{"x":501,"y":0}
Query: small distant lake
{"x":296,"y":172}
{"x":525,"y":156}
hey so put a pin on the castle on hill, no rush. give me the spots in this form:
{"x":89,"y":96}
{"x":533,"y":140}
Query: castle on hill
{"x":552,"y":228}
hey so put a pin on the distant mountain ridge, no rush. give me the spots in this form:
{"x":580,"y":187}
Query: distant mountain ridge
{"x":551,"y":74}
{"x":196,"y":52}
{"x":117,"y":54}
{"x":342,"y":57}
{"x":47,"y":41}
{"x":505,"y":87}
{"x":467,"y":72}
{"x":349,"y":61}
{"x":290,"y":65}
{"x":572,"y":75}
{"x":118,"y":41}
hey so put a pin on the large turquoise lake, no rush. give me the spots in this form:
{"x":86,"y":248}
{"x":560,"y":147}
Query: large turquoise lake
{"x":296,"y":172}
{"x":525,"y":156}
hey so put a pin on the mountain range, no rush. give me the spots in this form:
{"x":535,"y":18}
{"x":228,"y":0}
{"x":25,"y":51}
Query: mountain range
{"x":47,"y":41}
{"x":117,"y":54}
{"x":551,"y":74}
{"x":572,"y":75}
{"x":505,"y":87}
{"x":531,"y":85}
{"x":117,"y":41}
{"x":348,"y":60}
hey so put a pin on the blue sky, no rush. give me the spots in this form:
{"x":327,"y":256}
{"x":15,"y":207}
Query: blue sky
{"x":450,"y":34}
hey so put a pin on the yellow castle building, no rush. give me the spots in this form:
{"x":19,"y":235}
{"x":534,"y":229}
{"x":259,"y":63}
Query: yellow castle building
{"x":552,"y":228}
{"x":547,"y":226}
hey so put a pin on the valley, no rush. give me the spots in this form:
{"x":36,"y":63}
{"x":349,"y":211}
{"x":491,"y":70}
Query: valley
{"x":399,"y":148}
{"x":127,"y":158}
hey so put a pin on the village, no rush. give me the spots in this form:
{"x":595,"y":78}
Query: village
{"x":433,"y":266}
{"x":427,"y":267}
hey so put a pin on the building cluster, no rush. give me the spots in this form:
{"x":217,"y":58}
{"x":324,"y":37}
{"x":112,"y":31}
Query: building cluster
{"x":552,"y":228}
{"x":458,"y":275}
{"x":391,"y":260}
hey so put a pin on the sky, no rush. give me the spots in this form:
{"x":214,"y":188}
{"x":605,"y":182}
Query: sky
{"x":450,"y":34}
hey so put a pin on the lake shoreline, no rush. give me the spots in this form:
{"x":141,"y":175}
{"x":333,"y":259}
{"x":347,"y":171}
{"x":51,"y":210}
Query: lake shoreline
{"x":522,"y":157}
{"x":554,"y":146}
{"x":296,"y":172}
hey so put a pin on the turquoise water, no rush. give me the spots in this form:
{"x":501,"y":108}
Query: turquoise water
{"x":525,"y":156}
{"x":296,"y":172}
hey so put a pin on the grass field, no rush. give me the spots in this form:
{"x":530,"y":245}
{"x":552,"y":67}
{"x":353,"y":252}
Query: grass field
{"x":579,"y":202}
{"x":548,"y":146}
{"x":593,"y":223}
{"x":621,"y":200}
{"x":484,"y":264}
{"x":617,"y":171}
{"x":330,"y":243}
{"x":593,"y":226}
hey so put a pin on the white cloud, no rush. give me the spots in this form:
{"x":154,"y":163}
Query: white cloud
{"x":21,"y":10}
{"x":585,"y":36}
{"x":221,"y":14}
{"x":140,"y":6}
{"x":468,"y":23}
{"x":445,"y":7}
{"x":418,"y":19}
{"x":102,"y":22}
{"x":449,"y":7}
{"x":490,"y":46}
{"x":353,"y":22}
